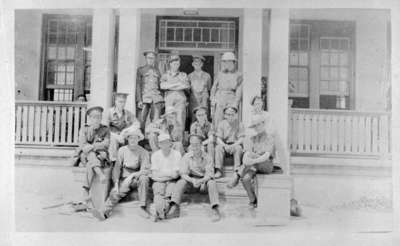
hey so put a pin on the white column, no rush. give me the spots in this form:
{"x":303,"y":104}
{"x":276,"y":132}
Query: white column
{"x":128,"y":54}
{"x":252,"y":58}
{"x":278,"y":73}
{"x":396,"y":119}
{"x":102,"y":73}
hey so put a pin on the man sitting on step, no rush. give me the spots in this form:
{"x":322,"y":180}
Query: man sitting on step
{"x":230,"y":134}
{"x":130,"y":172}
{"x":164,"y":173}
{"x":258,"y":146}
{"x":197,"y":171}
{"x":94,"y":139}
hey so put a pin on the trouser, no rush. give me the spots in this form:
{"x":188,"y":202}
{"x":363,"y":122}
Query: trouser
{"x":220,"y":152}
{"x":182,"y":185}
{"x":115,"y":141}
{"x":92,"y":161}
{"x":179,"y":103}
{"x":153,"y":141}
{"x":211,"y":151}
{"x":162,"y":196}
{"x":127,"y":184}
{"x":247,"y":173}
{"x":155,"y":109}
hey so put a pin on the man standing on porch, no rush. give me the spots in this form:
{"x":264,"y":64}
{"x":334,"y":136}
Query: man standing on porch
{"x":227,"y":88}
{"x":164,"y":173}
{"x":200,"y":84}
{"x":119,"y":118}
{"x":176,"y":85}
{"x":148,"y":94}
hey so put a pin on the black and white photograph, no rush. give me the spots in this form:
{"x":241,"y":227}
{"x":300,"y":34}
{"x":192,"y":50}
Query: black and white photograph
{"x":205,"y":120}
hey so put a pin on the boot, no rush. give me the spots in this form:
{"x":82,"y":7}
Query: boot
{"x":143,"y":212}
{"x":295,"y":209}
{"x":216,"y":215}
{"x":174,"y":212}
{"x":234,"y":181}
{"x":218,"y":174}
{"x":98,"y":215}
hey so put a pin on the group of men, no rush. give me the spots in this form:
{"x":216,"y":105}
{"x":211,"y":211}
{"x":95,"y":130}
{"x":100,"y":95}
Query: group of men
{"x":168,"y":166}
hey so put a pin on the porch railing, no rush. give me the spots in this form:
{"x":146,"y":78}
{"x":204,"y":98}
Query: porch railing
{"x":48,"y":123}
{"x":339,"y":132}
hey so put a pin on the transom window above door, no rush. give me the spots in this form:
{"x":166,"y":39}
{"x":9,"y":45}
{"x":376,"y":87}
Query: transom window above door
{"x":201,"y":34}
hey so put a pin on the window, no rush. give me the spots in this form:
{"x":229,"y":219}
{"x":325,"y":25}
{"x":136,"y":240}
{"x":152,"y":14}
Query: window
{"x":299,"y":64}
{"x":182,"y":33}
{"x":66,"y":57}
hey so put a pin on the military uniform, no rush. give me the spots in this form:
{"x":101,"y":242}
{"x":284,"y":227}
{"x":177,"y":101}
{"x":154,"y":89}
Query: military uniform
{"x":93,"y":148}
{"x":226,"y":90}
{"x":174,"y":86}
{"x":148,"y":92}
{"x":118,"y":122}
{"x":196,"y":168}
{"x":130,"y":161}
{"x":200,"y":84}
{"x":229,"y":133}
{"x":175,"y":131}
{"x":206,"y":131}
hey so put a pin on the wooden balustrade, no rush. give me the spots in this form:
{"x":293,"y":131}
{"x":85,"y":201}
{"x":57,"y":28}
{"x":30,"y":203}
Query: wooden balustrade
{"x":339,"y":132}
{"x":48,"y":123}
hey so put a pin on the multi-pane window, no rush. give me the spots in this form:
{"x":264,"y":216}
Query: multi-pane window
{"x":334,"y":72}
{"x":299,"y":64}
{"x":65,"y":57}
{"x":196,"y":34}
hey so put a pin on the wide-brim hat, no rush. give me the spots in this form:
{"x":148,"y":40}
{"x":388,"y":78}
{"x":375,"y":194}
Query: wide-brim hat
{"x":94,"y":108}
{"x":196,"y":135}
{"x":132,"y":131}
{"x":174,"y":56}
{"x":169,"y":110}
{"x":228,"y":56}
{"x":200,"y":57}
{"x":256,"y":120}
{"x":231,"y":107}
{"x":163,"y":137}
{"x":199,"y":107}
{"x":149,"y":51}
{"x":121,"y":94}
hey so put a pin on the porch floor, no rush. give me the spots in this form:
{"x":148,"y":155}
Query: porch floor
{"x":37,"y":187}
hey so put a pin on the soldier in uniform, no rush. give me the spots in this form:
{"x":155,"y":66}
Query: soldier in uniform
{"x":230,"y":135}
{"x":118,"y":118}
{"x":94,"y":140}
{"x":148,"y":94}
{"x":164,"y":173}
{"x":167,"y":124}
{"x":176,"y":86}
{"x":200,"y":85}
{"x":196,"y":171}
{"x":205,"y":129}
{"x":227,"y":88}
{"x":131,"y":171}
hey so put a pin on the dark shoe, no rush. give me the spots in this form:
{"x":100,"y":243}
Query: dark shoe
{"x":295,"y":209}
{"x":218,"y":174}
{"x":216,"y":215}
{"x":234,"y":181}
{"x":174,"y":212}
{"x":143,"y":212}
{"x":253,"y":204}
{"x":98,"y":215}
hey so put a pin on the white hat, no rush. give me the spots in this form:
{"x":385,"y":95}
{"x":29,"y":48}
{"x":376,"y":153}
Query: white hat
{"x":163,"y":136}
{"x":132,"y":131}
{"x":255,"y":120}
{"x":228,"y":56}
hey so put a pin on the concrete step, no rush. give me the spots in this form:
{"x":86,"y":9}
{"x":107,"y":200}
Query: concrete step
{"x":43,"y":155}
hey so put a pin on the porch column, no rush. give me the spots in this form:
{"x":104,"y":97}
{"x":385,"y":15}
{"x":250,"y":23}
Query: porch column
{"x":128,"y":52}
{"x":252,"y":58}
{"x":278,"y":74}
{"x":102,"y":73}
{"x":395,"y":122}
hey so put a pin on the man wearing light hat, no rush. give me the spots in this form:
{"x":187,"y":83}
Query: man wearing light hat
{"x":200,"y":85}
{"x":167,"y":124}
{"x":131,"y":171}
{"x":118,"y":118}
{"x":230,"y":135}
{"x":176,"y":85}
{"x":258,"y":147}
{"x":148,"y":94}
{"x":227,"y":88}
{"x":94,"y":140}
{"x":164,"y":173}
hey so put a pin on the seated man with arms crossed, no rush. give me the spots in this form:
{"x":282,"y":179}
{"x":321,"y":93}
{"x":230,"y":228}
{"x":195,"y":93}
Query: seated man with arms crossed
{"x":164,"y":173}
{"x":130,"y":172}
{"x":197,"y":171}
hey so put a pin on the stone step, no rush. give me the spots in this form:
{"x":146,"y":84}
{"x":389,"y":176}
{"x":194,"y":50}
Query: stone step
{"x":43,"y":155}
